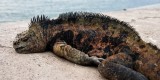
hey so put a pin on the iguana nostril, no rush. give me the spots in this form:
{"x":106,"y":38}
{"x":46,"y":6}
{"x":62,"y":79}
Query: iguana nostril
{"x":15,"y":43}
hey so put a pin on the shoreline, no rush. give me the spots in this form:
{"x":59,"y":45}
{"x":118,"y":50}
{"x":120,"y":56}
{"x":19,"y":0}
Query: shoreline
{"x":47,"y":66}
{"x":135,"y":8}
{"x":148,"y":6}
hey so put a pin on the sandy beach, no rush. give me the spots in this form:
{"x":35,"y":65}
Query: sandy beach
{"x":47,"y":66}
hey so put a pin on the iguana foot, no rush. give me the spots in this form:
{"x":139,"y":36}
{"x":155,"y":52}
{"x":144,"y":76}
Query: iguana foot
{"x":95,"y":60}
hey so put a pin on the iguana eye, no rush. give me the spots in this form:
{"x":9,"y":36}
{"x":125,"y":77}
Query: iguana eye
{"x":25,"y":39}
{"x":62,"y":45}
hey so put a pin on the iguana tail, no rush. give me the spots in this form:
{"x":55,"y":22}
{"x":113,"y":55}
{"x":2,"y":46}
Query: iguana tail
{"x":118,"y":67}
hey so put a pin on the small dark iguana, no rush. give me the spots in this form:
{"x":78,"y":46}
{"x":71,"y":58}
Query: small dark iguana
{"x":99,"y":37}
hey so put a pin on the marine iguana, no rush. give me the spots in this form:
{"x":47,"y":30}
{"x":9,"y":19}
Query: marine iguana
{"x":93,"y":36}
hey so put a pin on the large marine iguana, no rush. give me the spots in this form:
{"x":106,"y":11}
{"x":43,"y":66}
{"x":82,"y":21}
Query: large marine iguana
{"x":98,"y":36}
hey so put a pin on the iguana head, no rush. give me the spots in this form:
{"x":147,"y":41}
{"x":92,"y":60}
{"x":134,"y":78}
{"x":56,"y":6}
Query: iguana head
{"x":34,"y":39}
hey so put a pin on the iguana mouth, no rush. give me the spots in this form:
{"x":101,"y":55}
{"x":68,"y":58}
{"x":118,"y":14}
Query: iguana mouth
{"x":19,"y":49}
{"x":20,"y":42}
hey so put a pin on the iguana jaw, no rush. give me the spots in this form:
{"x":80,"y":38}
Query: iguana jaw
{"x":28,"y":42}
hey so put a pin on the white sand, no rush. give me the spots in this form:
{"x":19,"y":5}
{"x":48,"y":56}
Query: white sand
{"x":47,"y":66}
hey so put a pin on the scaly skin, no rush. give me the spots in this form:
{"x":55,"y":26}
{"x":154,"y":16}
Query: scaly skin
{"x":61,"y":49}
{"x":119,"y":67}
{"x":93,"y":34}
{"x":115,"y":67}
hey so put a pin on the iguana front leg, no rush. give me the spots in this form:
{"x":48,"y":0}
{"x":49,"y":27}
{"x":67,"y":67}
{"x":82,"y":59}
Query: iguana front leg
{"x":76,"y":56}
